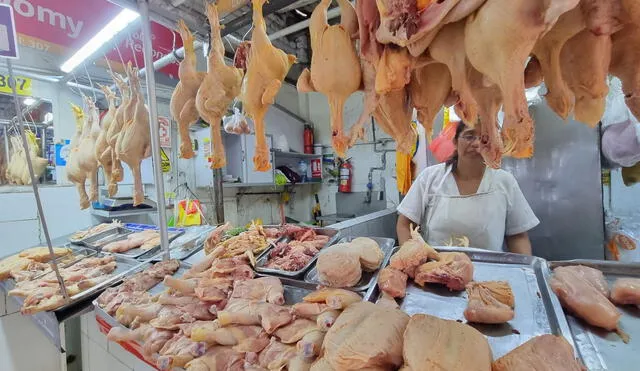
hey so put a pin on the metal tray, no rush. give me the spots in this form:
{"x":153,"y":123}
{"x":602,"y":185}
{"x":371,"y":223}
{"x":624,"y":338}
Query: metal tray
{"x":333,"y":234}
{"x":186,"y":244}
{"x":601,"y":349}
{"x":83,"y":240}
{"x":537,"y":310}
{"x":99,"y":240}
{"x":368,"y":279}
{"x":141,"y":254}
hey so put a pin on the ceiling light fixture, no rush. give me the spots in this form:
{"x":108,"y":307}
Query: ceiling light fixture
{"x":302,"y":13}
{"x":117,"y":24}
{"x":28,"y":101}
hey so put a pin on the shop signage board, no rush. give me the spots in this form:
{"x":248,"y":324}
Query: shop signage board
{"x":8,"y":36}
{"x":23,"y":85}
{"x":63,"y":27}
{"x":164,"y":126}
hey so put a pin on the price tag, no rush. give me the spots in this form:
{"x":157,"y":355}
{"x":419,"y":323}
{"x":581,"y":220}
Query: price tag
{"x":23,"y":88}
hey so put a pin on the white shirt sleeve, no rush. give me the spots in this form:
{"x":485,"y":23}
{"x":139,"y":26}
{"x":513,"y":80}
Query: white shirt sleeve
{"x":520,"y":217}
{"x":412,"y":205}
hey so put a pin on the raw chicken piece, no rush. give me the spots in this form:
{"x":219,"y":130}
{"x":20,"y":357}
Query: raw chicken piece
{"x":134,"y":141}
{"x":498,"y":39}
{"x":431,"y":343}
{"x":393,"y":114}
{"x":392,"y":282}
{"x":489,"y":302}
{"x":242,"y":338}
{"x":387,"y":300}
{"x":246,"y":312}
{"x":326,"y":319}
{"x":547,"y":51}
{"x":263,"y":289}
{"x":413,"y":253}
{"x":334,"y":298}
{"x":429,"y":88}
{"x":626,"y":291}
{"x":114,"y":132}
{"x":134,"y":240}
{"x":405,"y":21}
{"x":310,"y":344}
{"x":339,"y":267}
{"x":87,"y":160}
{"x":335,"y":67}
{"x":276,"y":355}
{"x":448,"y":48}
{"x":214,"y":238}
{"x":104,"y":152}
{"x":369,"y":252}
{"x":454,"y":270}
{"x":578,"y":294}
{"x":74,"y":173}
{"x":183,"y":99}
{"x":625,"y":64}
{"x":366,"y":335}
{"x":220,"y":86}
{"x":308,"y":310}
{"x":295,"y":330}
{"x":393,"y":71}
{"x":152,"y":339}
{"x":593,"y":277}
{"x":218,"y":359}
{"x":267,"y":68}
{"x":544,"y":352}
{"x":585,"y":62}
{"x":179,"y":351}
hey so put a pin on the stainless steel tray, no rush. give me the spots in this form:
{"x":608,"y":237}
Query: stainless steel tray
{"x":601,"y":349}
{"x":141,"y":254}
{"x":333,"y":234}
{"x":537,"y":310}
{"x":98,"y":241}
{"x":83,"y":240}
{"x":368,"y":279}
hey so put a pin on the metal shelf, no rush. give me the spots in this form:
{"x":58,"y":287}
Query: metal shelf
{"x":294,"y":154}
{"x":245,"y":185}
{"x":115,"y":214}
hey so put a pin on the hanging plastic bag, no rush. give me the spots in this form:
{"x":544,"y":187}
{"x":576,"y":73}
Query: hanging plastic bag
{"x":236,"y":123}
{"x":404,"y":174}
{"x":442,"y":147}
{"x":189,"y":213}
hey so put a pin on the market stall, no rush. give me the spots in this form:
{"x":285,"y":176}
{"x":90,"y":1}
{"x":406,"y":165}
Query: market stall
{"x":220,"y":213}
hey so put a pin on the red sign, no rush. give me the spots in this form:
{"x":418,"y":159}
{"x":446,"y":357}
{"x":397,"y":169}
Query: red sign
{"x":62,"y":27}
{"x":165,"y":132}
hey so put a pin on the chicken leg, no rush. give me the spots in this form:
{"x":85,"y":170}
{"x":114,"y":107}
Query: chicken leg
{"x":104,"y":152}
{"x":498,"y":39}
{"x":625,"y":64}
{"x":183,"y":99}
{"x":266,"y":69}
{"x":335,"y":67}
{"x":220,"y":86}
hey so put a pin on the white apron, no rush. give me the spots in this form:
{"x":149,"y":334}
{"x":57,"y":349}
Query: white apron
{"x":480,"y":217}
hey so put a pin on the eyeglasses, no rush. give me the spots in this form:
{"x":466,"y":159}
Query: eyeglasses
{"x":470,"y":137}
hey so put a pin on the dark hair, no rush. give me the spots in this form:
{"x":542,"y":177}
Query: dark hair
{"x":453,"y":160}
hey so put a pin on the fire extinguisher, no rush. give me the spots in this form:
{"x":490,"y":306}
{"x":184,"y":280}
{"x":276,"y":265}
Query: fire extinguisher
{"x":308,"y":139}
{"x":346,"y":172}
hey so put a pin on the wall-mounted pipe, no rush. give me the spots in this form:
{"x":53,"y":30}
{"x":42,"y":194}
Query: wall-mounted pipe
{"x":381,"y":168}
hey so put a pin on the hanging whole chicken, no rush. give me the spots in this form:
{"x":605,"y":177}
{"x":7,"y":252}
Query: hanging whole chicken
{"x":335,"y":68}
{"x":266,"y":69}
{"x":220,"y":86}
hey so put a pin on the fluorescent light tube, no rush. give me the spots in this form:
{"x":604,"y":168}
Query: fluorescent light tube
{"x":119,"y":23}
{"x":28,"y":101}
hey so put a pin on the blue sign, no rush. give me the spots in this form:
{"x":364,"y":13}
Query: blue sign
{"x":8,"y":36}
{"x":62,"y":153}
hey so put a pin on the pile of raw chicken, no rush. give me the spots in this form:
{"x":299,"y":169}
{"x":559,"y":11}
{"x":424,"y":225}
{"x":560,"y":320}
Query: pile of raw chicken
{"x":478,"y":55}
{"x":217,"y":316}
{"x":16,"y":171}
{"x":296,"y":250}
{"x":37,"y":283}
{"x":121,"y":135}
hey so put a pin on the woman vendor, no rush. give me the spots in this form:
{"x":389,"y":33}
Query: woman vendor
{"x":465,"y":198}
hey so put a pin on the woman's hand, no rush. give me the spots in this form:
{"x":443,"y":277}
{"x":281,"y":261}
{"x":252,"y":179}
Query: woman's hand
{"x":518,"y":243}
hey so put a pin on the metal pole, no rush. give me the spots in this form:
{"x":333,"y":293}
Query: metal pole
{"x":34,"y":184}
{"x":218,"y":195}
{"x":143,"y":6}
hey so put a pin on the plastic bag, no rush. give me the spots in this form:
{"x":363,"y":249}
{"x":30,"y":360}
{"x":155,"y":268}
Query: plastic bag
{"x":442,"y":147}
{"x":236,"y":123}
{"x":621,"y":234}
{"x":620,"y":144}
{"x":189,"y":213}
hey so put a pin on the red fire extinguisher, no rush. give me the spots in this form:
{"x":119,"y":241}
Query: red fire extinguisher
{"x":308,"y":139}
{"x":346,"y":172}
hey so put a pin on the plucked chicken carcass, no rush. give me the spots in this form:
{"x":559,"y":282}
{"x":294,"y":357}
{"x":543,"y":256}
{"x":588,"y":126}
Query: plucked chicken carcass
{"x":333,"y":298}
{"x":582,"y":295}
{"x":429,"y":88}
{"x":341,"y":265}
{"x":267,"y":68}
{"x":134,"y":140}
{"x":335,"y":67}
{"x":217,"y":359}
{"x":454,"y":270}
{"x":489,"y":302}
{"x":585,"y":62}
{"x":547,"y":51}
{"x":412,"y":254}
{"x":626,"y":291}
{"x":544,"y":352}
{"x":625,"y":64}
{"x":134,"y":240}
{"x":183,"y":99}
{"x":72,"y":169}
{"x":178,"y":351}
{"x":220,"y":86}
{"x":498,"y":39}
{"x":104,"y":152}
{"x":263,"y":289}
{"x":17,"y":169}
{"x":82,"y":162}
{"x":393,"y":114}
{"x":365,"y":335}
{"x":431,"y":343}
{"x":114,"y":132}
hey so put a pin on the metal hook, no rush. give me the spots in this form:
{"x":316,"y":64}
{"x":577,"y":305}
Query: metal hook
{"x":95,"y":98}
